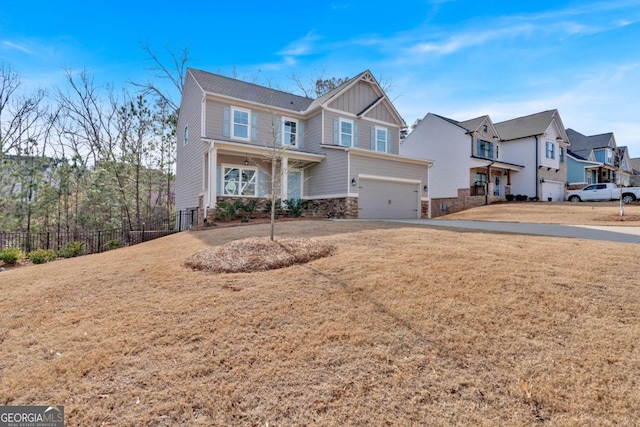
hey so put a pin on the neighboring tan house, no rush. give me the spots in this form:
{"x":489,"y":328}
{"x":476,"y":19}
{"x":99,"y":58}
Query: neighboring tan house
{"x":338,"y":152}
{"x":469,"y":166}
{"x":606,"y":162}
{"x":539,"y":143}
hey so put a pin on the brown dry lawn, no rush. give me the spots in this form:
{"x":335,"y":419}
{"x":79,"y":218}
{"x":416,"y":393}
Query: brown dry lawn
{"x":401,"y":326}
{"x":595,"y":213}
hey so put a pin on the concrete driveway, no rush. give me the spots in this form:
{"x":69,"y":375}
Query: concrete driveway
{"x":607,"y":233}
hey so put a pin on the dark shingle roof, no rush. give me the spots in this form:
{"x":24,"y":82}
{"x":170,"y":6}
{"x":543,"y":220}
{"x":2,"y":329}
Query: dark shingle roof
{"x":453,"y":122}
{"x":522,"y":127}
{"x":582,"y":144}
{"x":226,"y":86}
{"x":473,"y":124}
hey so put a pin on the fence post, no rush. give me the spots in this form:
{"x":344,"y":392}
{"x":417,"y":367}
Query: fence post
{"x":48,"y":240}
{"x":179,"y":213}
{"x":99,"y":241}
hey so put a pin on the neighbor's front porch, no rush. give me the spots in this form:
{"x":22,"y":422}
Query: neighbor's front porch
{"x":492,"y":180}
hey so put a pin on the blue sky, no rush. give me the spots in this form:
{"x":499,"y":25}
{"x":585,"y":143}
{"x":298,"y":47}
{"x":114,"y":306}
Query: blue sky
{"x":456,"y":58}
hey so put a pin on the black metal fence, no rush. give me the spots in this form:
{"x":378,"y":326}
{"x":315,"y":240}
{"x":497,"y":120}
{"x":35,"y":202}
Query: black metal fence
{"x":101,"y":240}
{"x":186,"y":219}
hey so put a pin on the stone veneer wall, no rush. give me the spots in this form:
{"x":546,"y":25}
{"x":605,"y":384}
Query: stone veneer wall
{"x":424,"y":212}
{"x":346,"y":207}
{"x":462,"y":202}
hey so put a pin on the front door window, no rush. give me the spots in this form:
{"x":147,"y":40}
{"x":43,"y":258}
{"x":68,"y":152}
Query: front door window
{"x":496,"y":187}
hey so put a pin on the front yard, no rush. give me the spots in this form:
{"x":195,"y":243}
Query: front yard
{"x":400,"y":326}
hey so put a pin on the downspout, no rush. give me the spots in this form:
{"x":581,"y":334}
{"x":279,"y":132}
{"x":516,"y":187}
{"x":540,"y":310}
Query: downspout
{"x":537,"y":163}
{"x":428,"y":192}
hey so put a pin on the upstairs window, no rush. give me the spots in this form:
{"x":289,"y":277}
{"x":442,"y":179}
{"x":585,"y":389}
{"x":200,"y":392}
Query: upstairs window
{"x":346,"y":133}
{"x":289,"y":131}
{"x":241,"y":123}
{"x":551,"y":150}
{"x":381,"y":139}
{"x":609,"y":157}
{"x":485,"y":149}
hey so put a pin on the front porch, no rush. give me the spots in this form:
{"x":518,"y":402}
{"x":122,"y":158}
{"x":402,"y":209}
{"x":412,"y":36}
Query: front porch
{"x":235,"y":171}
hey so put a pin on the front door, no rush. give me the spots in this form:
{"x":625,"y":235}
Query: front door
{"x":294,"y":185}
{"x":496,"y":186}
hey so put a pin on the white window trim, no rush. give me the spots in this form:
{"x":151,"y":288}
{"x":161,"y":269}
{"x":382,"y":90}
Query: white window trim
{"x":241,"y":168}
{"x":283,"y":133}
{"x":553,"y":150}
{"x":340,"y":121}
{"x":233,"y":127}
{"x":386,"y":138}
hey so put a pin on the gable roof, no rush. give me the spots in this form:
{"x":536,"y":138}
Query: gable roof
{"x":217,"y":84}
{"x":366,"y":76}
{"x":583,"y":145}
{"x":232,"y":88}
{"x":635,"y":165}
{"x":531,"y":125}
{"x":468,"y":125}
{"x":473,"y":124}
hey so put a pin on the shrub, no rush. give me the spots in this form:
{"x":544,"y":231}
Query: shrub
{"x":40,"y":256}
{"x":228,"y":210}
{"x":11,"y":255}
{"x":71,"y":249}
{"x":250,"y":206}
{"x":270,"y":202}
{"x":113,"y":244}
{"x":510,"y":197}
{"x":295,"y":207}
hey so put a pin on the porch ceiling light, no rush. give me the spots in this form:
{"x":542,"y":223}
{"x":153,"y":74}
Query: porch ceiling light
{"x":246,"y":161}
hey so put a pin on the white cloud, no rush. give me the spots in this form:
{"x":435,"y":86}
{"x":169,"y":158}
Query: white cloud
{"x":301,"y":47}
{"x":17,"y":46}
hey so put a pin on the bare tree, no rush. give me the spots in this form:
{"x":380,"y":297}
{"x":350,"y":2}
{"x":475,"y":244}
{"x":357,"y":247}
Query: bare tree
{"x":22,"y":117}
{"x":175,"y":73}
{"x":317,"y":85}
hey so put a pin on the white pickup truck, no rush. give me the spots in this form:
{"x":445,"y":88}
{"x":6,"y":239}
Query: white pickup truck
{"x":595,"y":192}
{"x":630,"y":194}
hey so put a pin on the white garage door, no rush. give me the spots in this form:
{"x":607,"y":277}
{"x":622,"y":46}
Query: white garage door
{"x":555,"y":190}
{"x":387,"y":199}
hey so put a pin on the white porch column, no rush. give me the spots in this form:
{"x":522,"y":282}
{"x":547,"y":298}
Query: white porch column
{"x":284,"y":183}
{"x":213,"y":178}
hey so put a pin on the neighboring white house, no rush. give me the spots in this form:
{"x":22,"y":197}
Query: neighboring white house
{"x":539,"y":143}
{"x":479,"y":162}
{"x":470,"y":168}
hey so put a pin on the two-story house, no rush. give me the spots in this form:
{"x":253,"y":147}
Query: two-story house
{"x":338,"y":152}
{"x":469,"y":166}
{"x":539,"y":143}
{"x":596,"y":158}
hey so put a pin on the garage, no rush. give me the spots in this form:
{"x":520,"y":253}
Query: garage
{"x":553,"y":190}
{"x":386,"y":199}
